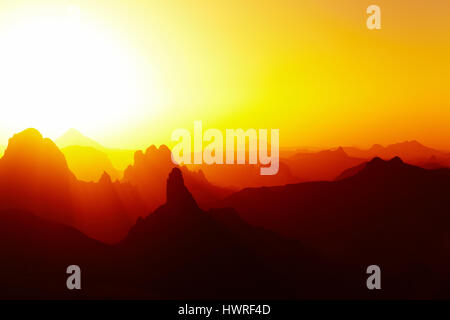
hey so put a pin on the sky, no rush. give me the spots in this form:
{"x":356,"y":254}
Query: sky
{"x":128,"y":73}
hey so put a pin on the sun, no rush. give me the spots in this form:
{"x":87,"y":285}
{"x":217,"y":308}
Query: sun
{"x":59,"y":71}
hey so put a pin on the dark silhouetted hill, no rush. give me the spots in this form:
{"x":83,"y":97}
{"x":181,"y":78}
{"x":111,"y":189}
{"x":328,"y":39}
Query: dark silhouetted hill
{"x":305,"y":240}
{"x":35,"y":254}
{"x":214,"y":254}
{"x":177,"y":252}
{"x":389,"y":213}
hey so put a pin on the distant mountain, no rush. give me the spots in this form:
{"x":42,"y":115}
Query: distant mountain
{"x":389,"y":213}
{"x":409,"y":151}
{"x":245,"y":175}
{"x":150,"y":169}
{"x":322,"y":165}
{"x":350,"y":172}
{"x":376,"y":182}
{"x":301,"y":241}
{"x":75,"y":138}
{"x":289,"y":152}
{"x":89,"y":163}
{"x":120,"y":158}
{"x":35,"y":177}
{"x":431,"y":164}
{"x":434,"y":163}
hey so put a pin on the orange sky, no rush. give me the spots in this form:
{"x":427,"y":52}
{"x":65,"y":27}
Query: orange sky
{"x":128,"y":73}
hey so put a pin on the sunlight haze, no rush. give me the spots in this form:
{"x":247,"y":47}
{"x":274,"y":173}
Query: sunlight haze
{"x":128,"y":73}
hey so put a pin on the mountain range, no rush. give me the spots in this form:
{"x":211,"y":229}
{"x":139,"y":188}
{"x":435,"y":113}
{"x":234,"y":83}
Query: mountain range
{"x":178,"y":251}
{"x":118,"y":158}
{"x":88,"y":160}
{"x":35,"y":177}
{"x":410,"y":151}
{"x":166,"y":232}
{"x":387,"y":213}
{"x":322,"y":165}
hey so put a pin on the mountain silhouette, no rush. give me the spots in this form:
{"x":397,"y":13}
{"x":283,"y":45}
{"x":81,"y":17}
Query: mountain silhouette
{"x":434,"y":163}
{"x":36,"y":253}
{"x":35,"y":177}
{"x":351,"y":171}
{"x":178,"y":251}
{"x":74,"y":137}
{"x":214,"y":254}
{"x":307,"y":240}
{"x":150,"y":169}
{"x":410,"y":151}
{"x":396,"y":165}
{"x":74,"y":140}
{"x":322,"y":165}
{"x":245,"y":175}
{"x":389,"y":213}
{"x":177,"y":193}
{"x":150,"y":235}
{"x":88,"y":164}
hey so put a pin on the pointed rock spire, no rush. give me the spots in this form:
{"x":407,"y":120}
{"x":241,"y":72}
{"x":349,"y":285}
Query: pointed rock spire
{"x":177,"y":193}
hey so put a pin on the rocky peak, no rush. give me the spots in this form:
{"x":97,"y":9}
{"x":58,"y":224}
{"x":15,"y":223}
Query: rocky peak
{"x":177,"y":193}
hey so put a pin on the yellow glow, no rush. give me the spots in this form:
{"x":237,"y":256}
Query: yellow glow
{"x":127,"y":73}
{"x":59,"y":71}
